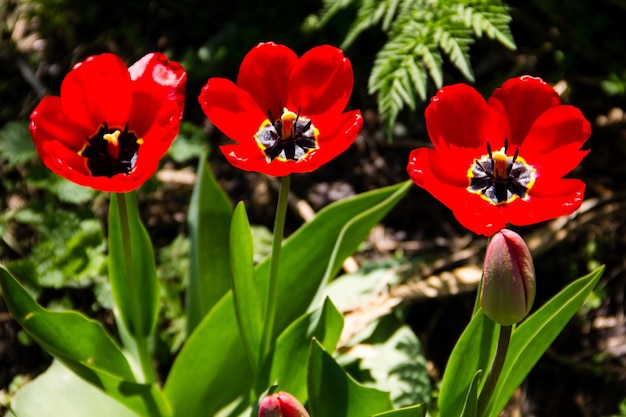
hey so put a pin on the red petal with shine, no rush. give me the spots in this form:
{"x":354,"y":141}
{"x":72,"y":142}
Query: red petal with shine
{"x":554,"y":141}
{"x":97,"y":90}
{"x":156,"y":83}
{"x":522,"y":100}
{"x":321,"y":81}
{"x":458,"y":115}
{"x":233,"y":111}
{"x":264,"y":74}
{"x":48,"y":123}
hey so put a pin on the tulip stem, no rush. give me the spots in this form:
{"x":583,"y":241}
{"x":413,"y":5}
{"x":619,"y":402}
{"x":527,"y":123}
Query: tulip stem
{"x":496,"y":368}
{"x":141,"y":347}
{"x":272,"y":288}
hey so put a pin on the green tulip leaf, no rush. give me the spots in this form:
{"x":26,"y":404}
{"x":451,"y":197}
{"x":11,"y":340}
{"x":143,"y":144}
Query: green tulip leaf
{"x":316,"y":250}
{"x":418,"y":410}
{"x":210,"y":211}
{"x":332,"y":392}
{"x":60,"y":392}
{"x":470,"y":407}
{"x":248,"y":306}
{"x":472,"y":352}
{"x":132,"y":271}
{"x":201,"y":380}
{"x":288,"y":360}
{"x":83,"y":346}
{"x":66,"y":335}
{"x":532,"y":338}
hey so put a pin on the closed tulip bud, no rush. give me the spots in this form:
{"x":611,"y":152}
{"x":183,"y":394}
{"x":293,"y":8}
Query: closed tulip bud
{"x":508,"y":289}
{"x":281,"y":404}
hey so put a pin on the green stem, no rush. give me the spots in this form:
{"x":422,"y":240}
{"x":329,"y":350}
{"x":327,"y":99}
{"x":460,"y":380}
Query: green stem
{"x":496,"y":368}
{"x":272,"y":288}
{"x":141,"y":348}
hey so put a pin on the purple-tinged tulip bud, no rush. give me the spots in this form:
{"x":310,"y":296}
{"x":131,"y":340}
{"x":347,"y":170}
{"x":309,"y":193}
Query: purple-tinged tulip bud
{"x":508,"y":289}
{"x":281,"y":404}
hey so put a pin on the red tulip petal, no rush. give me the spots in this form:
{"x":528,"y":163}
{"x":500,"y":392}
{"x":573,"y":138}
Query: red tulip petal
{"x":232,"y":110}
{"x":471,"y":210}
{"x":156,"y":83}
{"x":321,"y":81}
{"x":522,"y":100}
{"x":557,"y":198}
{"x":459,"y":116}
{"x":97,"y":90}
{"x":57,"y":157}
{"x":554,"y":141}
{"x":264,"y":74}
{"x":48,"y":122}
{"x":337,"y":133}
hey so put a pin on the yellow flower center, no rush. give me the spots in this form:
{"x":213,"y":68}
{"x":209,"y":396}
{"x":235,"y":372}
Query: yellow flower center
{"x":499,"y":178}
{"x":292,"y":137}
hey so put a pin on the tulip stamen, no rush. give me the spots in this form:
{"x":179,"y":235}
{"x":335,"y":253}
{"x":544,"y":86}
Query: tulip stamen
{"x":499,"y":178}
{"x":291,"y":137}
{"x":111,"y":151}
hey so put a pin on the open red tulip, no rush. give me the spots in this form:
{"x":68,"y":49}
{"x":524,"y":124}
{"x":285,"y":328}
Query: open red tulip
{"x":502,"y":161}
{"x":285,"y":114}
{"x":111,"y":124}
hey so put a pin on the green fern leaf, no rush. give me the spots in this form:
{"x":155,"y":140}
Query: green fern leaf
{"x":455,"y":43}
{"x":330,"y":9}
{"x":370,"y":14}
{"x":492,"y":19}
{"x":420,"y":33}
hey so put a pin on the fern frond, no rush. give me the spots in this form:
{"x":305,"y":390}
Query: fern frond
{"x":491,"y":19}
{"x":455,"y":42}
{"x":370,"y":14}
{"x":330,"y":9}
{"x":420,"y":33}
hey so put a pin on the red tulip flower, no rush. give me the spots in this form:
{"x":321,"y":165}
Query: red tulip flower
{"x":502,"y":161}
{"x":111,"y":124}
{"x":285,"y":114}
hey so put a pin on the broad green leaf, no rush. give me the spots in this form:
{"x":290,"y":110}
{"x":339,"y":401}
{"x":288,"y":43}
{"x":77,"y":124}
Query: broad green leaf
{"x":531,"y":339}
{"x":248,"y":306}
{"x":212,"y":368}
{"x":210,"y":212}
{"x":83,"y":346}
{"x":418,"y":410}
{"x":59,"y":392}
{"x":288,"y":360}
{"x":144,"y":399}
{"x":132,"y":271}
{"x":66,"y":335}
{"x":202,"y":380}
{"x":336,"y":232}
{"x":471,"y":401}
{"x":332,"y":392}
{"x":472,"y":352}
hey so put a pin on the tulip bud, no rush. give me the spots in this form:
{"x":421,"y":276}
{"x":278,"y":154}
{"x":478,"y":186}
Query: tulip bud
{"x":281,"y":404}
{"x":508,"y":289}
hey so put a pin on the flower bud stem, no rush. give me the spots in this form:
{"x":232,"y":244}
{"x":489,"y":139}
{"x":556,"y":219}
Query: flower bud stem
{"x":496,"y":368}
{"x":272,"y":288}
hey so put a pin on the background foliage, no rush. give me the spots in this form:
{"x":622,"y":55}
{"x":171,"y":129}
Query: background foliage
{"x":53,"y":230}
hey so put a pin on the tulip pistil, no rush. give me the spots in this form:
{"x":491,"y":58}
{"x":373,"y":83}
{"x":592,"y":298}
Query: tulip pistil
{"x":292,"y":137}
{"x":111,"y":151}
